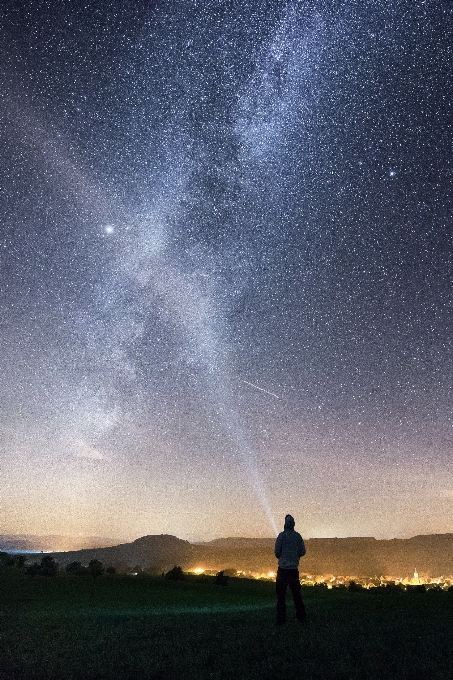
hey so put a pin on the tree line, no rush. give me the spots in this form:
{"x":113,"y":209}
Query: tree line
{"x":49,"y":567}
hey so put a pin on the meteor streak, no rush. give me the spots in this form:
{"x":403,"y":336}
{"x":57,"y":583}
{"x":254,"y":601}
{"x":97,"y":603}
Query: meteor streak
{"x":261,"y":389}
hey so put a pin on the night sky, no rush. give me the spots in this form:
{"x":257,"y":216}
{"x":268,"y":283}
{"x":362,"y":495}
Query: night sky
{"x":226,"y":252}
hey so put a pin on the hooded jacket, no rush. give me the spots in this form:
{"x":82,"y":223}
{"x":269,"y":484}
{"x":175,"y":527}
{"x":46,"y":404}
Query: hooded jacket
{"x":289,"y":546}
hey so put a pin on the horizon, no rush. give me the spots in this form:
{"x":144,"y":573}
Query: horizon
{"x":122,"y":541}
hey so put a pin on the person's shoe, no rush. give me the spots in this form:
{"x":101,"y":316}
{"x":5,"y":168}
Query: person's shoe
{"x":302,"y":619}
{"x":279,"y":622}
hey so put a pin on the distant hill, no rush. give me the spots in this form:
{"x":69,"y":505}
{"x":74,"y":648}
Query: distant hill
{"x":360,"y":556}
{"x":159,"y":553}
{"x":28,"y":542}
{"x":430,"y":555}
{"x":238,"y":542}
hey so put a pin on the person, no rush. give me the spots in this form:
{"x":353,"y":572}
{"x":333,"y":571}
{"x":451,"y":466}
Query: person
{"x":289,"y":548}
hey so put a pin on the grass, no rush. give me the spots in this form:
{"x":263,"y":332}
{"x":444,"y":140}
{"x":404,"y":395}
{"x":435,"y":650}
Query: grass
{"x":151,"y":628}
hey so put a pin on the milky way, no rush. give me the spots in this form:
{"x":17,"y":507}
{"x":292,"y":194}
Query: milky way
{"x":226,"y":267}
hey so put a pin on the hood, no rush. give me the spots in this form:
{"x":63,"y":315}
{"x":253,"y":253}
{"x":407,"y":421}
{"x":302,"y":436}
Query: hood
{"x":289,"y":522}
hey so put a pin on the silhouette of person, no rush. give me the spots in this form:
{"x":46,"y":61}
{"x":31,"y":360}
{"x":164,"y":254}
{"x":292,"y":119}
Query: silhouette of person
{"x":289,"y":548}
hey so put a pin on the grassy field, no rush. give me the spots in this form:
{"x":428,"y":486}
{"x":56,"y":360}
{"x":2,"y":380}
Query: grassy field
{"x":152,"y":628}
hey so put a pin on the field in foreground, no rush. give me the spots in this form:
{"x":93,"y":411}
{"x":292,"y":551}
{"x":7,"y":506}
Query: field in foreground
{"x":152,"y":628}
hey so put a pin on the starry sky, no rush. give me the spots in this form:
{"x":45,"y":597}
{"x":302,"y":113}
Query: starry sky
{"x":226,"y":250}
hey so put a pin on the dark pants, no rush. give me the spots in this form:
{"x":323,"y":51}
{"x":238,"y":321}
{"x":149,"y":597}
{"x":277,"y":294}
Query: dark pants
{"x":285,"y":578}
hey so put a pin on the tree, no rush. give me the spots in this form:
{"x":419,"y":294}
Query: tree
{"x":394,"y":587}
{"x":221,"y":579}
{"x":19,"y":561}
{"x":230,"y":572}
{"x":354,"y":587}
{"x":75,"y":568}
{"x":175,"y":574}
{"x":33,"y":569}
{"x":95,"y":569}
{"x":48,"y":566}
{"x":7,"y":560}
